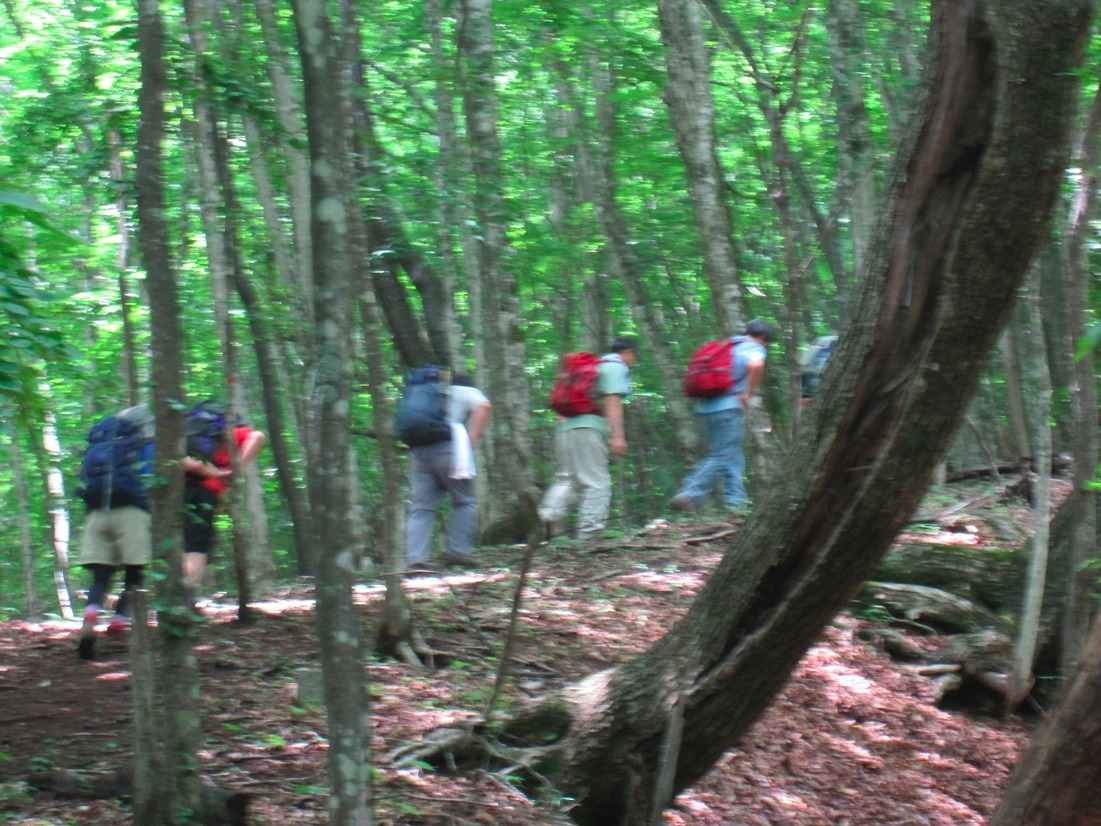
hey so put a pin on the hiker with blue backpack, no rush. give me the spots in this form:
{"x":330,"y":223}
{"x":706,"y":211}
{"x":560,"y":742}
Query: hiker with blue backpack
{"x":114,"y":483}
{"x":441,"y":421}
{"x":723,"y":376}
{"x":588,"y":397}
{"x":208,"y":474}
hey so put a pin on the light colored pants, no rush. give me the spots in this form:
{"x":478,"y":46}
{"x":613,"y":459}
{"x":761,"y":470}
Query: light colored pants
{"x":120,"y":536}
{"x":583,"y":458}
{"x":724,"y":435}
{"x":430,"y":480}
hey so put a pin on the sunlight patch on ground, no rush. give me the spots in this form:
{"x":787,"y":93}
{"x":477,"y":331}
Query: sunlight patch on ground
{"x":278,"y":606}
{"x":847,"y":680}
{"x":113,"y":676}
{"x":949,"y":811}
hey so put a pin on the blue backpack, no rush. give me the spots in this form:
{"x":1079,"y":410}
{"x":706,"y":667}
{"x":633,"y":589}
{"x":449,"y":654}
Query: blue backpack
{"x":422,"y":415}
{"x":117,"y":463}
{"x":206,"y":429}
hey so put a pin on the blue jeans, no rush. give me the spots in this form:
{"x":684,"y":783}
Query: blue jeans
{"x":430,"y":481}
{"x":724,"y":435}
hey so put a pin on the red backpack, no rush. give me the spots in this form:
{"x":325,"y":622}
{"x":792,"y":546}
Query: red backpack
{"x":572,"y":394}
{"x":710,"y":371}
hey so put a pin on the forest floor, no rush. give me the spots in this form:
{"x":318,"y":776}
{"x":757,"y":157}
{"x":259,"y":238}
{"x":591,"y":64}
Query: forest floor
{"x":853,"y":739}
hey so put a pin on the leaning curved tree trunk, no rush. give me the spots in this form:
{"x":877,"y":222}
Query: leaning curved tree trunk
{"x":970,"y":202}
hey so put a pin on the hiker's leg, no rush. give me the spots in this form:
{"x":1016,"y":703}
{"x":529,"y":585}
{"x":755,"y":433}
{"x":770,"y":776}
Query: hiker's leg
{"x":198,"y":534}
{"x":132,"y":580}
{"x":425,"y":491}
{"x":101,"y":586}
{"x":733,"y":452}
{"x":697,"y":485}
{"x":588,"y":451}
{"x":463,"y":529}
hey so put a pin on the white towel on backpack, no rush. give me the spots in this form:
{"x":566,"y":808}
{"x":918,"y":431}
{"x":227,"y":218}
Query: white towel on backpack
{"x":462,"y":453}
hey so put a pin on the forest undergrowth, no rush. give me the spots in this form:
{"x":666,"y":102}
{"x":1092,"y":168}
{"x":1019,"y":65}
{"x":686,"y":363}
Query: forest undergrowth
{"x":854,"y":738}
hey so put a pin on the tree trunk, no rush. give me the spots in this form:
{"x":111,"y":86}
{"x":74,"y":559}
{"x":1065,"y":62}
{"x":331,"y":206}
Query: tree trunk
{"x":1055,"y":782}
{"x":47,"y":451}
{"x":856,"y":161}
{"x":970,"y":203}
{"x":394,"y":636}
{"x":273,"y":374}
{"x":290,"y":135}
{"x":31,"y":607}
{"x":1077,"y":234}
{"x":1029,"y":625}
{"x":218,"y":222}
{"x":325,"y":78}
{"x":623,"y":263}
{"x":129,"y":348}
{"x":452,"y":235}
{"x":176,"y":792}
{"x":1015,"y":397}
{"x":692,"y":111}
{"x":510,"y":472}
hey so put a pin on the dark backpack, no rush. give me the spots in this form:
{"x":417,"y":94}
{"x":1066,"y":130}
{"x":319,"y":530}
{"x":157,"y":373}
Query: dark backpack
{"x":422,"y":415}
{"x":710,"y":371}
{"x":573,"y":391}
{"x":117,"y":463}
{"x":206,"y":429}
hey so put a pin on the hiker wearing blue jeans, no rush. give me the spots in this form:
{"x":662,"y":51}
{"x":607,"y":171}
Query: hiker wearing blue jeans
{"x":447,"y":467}
{"x":722,"y":420}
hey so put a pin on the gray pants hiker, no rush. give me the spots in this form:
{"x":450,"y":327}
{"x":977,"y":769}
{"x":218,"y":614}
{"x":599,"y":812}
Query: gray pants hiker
{"x":430,"y":481}
{"x":583,"y":458}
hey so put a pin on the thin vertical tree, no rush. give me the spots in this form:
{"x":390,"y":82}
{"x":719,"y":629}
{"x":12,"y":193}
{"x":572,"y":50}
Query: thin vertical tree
{"x":173,"y":796}
{"x":325,"y":78}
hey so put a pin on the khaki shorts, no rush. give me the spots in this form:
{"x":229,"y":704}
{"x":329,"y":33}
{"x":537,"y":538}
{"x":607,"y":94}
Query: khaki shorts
{"x":120,"y":536}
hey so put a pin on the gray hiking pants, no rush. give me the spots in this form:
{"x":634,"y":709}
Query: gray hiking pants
{"x":583,"y":457}
{"x":430,"y":480}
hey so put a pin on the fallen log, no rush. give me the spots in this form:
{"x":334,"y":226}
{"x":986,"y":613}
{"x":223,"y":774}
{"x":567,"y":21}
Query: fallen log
{"x":931,"y":607}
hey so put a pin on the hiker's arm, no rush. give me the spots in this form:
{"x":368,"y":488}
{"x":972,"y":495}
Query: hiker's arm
{"x":204,"y":470}
{"x":476,"y":424}
{"x":251,"y":446}
{"x":613,"y":412}
{"x":754,"y":371}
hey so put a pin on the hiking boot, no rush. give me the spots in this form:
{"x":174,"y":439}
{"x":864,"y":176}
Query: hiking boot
{"x":684,"y":504}
{"x":421,"y":569}
{"x":459,"y":561}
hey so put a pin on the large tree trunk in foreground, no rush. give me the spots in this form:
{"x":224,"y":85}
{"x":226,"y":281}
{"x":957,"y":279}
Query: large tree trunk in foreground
{"x":1055,"y":784}
{"x":167,"y":780}
{"x":969,"y":205}
{"x":341,"y":653}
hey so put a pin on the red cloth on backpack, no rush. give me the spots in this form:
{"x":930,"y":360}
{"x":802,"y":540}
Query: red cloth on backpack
{"x":573,"y":393}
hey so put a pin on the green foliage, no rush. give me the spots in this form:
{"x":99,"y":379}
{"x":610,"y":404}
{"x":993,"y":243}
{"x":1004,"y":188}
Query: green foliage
{"x":30,"y":340}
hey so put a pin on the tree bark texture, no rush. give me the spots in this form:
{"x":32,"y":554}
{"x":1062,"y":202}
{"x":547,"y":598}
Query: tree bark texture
{"x":969,"y":205}
{"x":176,"y":791}
{"x":1077,"y":232}
{"x":1055,"y":783}
{"x":510,"y":472}
{"x":692,"y":111}
{"x":325,"y":79}
{"x":623,"y":263}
